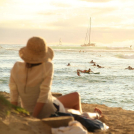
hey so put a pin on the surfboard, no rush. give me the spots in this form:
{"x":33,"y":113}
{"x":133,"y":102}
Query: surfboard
{"x":94,"y":72}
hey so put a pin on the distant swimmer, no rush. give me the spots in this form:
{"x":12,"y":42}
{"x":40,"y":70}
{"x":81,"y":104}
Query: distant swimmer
{"x":68,"y":64}
{"x":92,"y":61}
{"x":94,"y":64}
{"x":99,"y":66}
{"x":129,"y":68}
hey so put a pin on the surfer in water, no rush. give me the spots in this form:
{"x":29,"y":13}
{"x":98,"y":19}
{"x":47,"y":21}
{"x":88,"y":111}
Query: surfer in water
{"x":94,"y":64}
{"x":84,"y":71}
{"x":78,"y":72}
{"x":88,"y":71}
{"x":99,"y":66}
{"x":129,"y":68}
{"x":68,"y":64}
{"x":92,"y":61}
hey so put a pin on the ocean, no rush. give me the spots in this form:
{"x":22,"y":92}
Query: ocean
{"x":113,"y":87}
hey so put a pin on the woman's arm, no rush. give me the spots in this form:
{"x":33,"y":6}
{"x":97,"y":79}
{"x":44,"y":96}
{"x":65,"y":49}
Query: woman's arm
{"x":37,"y":109}
{"x":45,"y":88}
{"x":13,"y":90}
{"x":14,"y":103}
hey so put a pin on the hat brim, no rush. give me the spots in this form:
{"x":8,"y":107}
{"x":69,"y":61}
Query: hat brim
{"x":29,"y":57}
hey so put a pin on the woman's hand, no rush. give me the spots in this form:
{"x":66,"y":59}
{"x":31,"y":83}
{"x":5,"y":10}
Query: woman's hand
{"x":37,"y":109}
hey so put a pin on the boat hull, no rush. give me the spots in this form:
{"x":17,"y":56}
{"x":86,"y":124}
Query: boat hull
{"x":91,"y":44}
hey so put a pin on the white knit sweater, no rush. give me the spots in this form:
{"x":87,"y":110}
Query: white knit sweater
{"x":32,"y":85}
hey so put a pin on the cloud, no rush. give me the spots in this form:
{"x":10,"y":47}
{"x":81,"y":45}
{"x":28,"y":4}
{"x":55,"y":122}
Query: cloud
{"x":103,"y":10}
{"x":60,"y":4}
{"x":46,"y":13}
{"x":97,"y":1}
{"x":109,"y":35}
{"x":111,"y":20}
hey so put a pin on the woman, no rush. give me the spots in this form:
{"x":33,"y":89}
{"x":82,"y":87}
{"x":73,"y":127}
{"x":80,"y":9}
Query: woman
{"x":31,"y":80}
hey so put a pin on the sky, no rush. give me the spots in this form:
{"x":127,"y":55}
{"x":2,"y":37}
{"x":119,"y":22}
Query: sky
{"x":112,"y":21}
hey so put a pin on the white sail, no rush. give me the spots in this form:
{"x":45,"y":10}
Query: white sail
{"x":88,"y":36}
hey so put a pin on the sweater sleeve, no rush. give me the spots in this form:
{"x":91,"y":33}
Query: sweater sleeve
{"x":45,"y":86}
{"x":13,"y":89}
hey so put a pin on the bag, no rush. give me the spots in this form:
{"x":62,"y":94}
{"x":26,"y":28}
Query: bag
{"x":90,"y":124}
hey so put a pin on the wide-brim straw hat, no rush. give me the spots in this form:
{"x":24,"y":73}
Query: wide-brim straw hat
{"x":36,"y":51}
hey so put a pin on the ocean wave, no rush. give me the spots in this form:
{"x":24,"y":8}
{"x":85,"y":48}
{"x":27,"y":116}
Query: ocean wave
{"x":125,"y":56}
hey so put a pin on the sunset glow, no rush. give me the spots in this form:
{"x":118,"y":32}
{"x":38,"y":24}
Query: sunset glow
{"x":112,"y":21}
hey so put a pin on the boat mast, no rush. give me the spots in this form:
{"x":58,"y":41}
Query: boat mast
{"x":90,"y":30}
{"x":60,"y":43}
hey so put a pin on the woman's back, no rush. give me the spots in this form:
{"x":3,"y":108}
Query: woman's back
{"x":32,"y":84}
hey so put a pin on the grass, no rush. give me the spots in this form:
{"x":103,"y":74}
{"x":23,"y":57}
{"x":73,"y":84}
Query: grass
{"x":6,"y":108}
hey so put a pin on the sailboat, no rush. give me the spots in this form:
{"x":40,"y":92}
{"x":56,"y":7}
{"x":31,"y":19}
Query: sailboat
{"x":60,"y":42}
{"x":87,"y":38}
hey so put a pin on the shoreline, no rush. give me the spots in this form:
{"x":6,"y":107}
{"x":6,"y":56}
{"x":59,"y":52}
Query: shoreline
{"x":120,"y":121}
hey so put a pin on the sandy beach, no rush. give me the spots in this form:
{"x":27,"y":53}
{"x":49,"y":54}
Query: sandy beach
{"x":119,"y":121}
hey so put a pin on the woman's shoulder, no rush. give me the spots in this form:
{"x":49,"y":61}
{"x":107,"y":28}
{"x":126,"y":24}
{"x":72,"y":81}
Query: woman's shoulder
{"x":48,"y":64}
{"x":18,"y":64}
